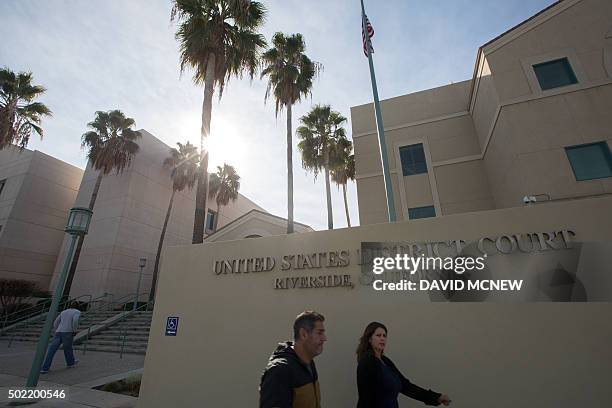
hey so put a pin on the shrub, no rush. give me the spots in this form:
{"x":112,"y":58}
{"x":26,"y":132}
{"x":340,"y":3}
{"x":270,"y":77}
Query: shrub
{"x":13,"y":292}
{"x":127,"y":386}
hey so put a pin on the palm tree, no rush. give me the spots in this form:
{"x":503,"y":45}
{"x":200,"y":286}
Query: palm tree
{"x":224,"y":185}
{"x":218,"y":39}
{"x":183,"y":163}
{"x":320,"y":134}
{"x":112,"y":146}
{"x":343,"y":172}
{"x":19,"y":116}
{"x":290,"y":74}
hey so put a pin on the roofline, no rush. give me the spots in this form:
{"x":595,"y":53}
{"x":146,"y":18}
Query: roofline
{"x":480,"y":49}
{"x":521,"y":23}
{"x":254,"y":210}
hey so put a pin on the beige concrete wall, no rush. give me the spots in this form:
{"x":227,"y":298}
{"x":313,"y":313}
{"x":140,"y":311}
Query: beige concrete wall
{"x":33,"y":211}
{"x":444,"y":139}
{"x":575,"y":29}
{"x":232,"y":210}
{"x":463,"y":187}
{"x":416,"y":107}
{"x":526,"y":153}
{"x":126,"y":225}
{"x":127,"y":222}
{"x":514,"y":133}
{"x":255,"y":223}
{"x":485,"y":103}
{"x":14,"y":166}
{"x":478,"y":353}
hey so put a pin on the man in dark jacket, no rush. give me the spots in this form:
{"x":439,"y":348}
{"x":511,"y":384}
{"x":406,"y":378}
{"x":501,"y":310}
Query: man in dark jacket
{"x":290,"y":379}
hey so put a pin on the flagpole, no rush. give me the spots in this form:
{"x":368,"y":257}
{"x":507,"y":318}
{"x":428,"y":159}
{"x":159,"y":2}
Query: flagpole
{"x":379,"y":125}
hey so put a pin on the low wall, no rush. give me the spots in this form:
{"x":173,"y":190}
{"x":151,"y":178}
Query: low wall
{"x":503,"y":352}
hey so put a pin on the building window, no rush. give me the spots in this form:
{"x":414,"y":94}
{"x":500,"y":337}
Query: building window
{"x":554,"y":74}
{"x":211,"y":219}
{"x":590,"y":161}
{"x":2,"y":183}
{"x":421,"y":212}
{"x":413,"y":159}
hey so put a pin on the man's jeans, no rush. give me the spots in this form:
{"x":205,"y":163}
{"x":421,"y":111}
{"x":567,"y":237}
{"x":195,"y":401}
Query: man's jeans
{"x":64,"y":338}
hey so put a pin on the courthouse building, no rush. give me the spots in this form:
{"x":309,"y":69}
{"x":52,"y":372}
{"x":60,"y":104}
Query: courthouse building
{"x":535,"y":120}
{"x":37,"y":190}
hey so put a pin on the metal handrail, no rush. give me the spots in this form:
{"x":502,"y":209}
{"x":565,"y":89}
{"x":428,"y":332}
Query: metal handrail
{"x":41,"y":311}
{"x":106,"y":306}
{"x":124,"y":333}
{"x":109,"y":306}
{"x":36,"y":306}
{"x":102,"y":306}
{"x":25,"y":321}
{"x":86,"y":338}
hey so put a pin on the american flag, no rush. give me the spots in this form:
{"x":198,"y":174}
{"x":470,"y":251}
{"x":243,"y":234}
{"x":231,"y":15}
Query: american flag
{"x":370,"y":35}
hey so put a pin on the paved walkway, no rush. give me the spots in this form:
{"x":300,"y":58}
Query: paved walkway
{"x":94,"y":368}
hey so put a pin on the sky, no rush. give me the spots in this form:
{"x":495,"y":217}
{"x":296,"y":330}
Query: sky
{"x":116,"y":54}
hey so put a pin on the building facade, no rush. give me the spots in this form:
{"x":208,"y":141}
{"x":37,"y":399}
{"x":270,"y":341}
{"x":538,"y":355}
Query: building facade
{"x":127,"y":221}
{"x":36,"y":191}
{"x":534,"y":124}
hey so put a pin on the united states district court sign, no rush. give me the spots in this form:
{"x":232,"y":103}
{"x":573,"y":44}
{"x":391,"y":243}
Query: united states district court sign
{"x":237,"y":299}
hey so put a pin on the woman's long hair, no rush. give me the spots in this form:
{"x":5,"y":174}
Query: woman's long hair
{"x":364,"y":346}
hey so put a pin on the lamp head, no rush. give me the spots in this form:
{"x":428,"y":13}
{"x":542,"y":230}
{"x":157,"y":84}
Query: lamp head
{"x":78,"y":221}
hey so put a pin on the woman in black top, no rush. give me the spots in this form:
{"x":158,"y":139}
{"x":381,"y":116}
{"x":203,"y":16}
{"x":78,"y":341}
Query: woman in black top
{"x":379,"y":381}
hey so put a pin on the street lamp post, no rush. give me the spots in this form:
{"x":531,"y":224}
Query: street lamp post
{"x":142,"y":264}
{"x":78,"y":224}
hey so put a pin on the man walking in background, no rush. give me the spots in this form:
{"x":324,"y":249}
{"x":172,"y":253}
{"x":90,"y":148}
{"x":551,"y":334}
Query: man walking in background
{"x":290,"y":378}
{"x":65,"y":326}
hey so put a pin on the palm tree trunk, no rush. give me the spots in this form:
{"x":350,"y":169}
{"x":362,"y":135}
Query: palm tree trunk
{"x":330,"y":215}
{"x":79,"y":247}
{"x":159,"y":249}
{"x":218,"y":215}
{"x":7,"y":132}
{"x":348,"y":217}
{"x":199,"y":218}
{"x":289,"y":173}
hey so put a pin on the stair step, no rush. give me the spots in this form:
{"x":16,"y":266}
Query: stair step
{"x":139,"y":344}
{"x":108,"y":336}
{"x":117,"y":350}
{"x":115,"y":329}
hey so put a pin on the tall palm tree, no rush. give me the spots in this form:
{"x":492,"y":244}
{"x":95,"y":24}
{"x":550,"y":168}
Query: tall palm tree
{"x":19,"y":115}
{"x":290,"y":74}
{"x":224,"y":186}
{"x":112,"y":146}
{"x":183,"y":163}
{"x":343,"y":172}
{"x":218,"y":40}
{"x":320,"y":134}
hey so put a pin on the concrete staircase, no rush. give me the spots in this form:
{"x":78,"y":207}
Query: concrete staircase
{"x":31,"y":331}
{"x":132,"y":333}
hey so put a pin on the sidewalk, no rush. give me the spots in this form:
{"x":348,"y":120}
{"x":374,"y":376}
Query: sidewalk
{"x":93,"y":369}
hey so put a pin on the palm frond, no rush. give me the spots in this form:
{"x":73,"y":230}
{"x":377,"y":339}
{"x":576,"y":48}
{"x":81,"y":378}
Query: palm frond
{"x":111,"y":142}
{"x":19,"y":116}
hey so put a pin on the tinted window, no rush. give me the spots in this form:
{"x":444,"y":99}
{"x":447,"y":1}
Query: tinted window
{"x":413,"y":159}
{"x":210,"y":220}
{"x":553,"y":74}
{"x":421,"y":212}
{"x":590,"y":161}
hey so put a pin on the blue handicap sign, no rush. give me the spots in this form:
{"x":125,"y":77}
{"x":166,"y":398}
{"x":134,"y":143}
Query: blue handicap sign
{"x":172,"y":326}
